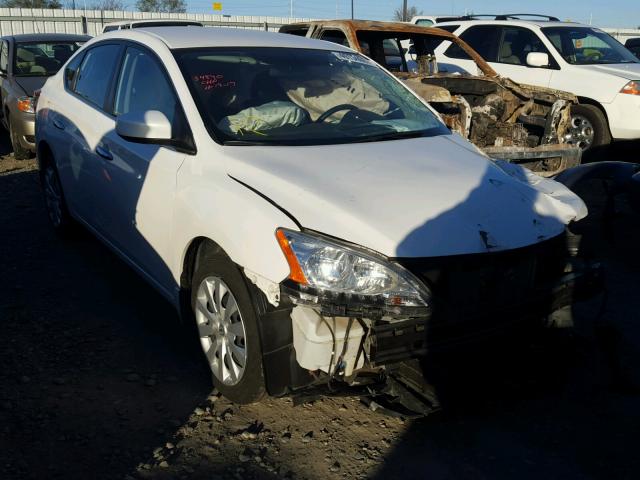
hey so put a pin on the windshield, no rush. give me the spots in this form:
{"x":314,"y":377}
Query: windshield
{"x":301,"y":97}
{"x":42,"y":59}
{"x":587,"y":46}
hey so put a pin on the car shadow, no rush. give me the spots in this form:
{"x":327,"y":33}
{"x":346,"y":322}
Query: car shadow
{"x":97,"y":370}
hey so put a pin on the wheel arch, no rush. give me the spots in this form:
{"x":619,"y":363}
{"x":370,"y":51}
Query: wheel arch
{"x":598,"y":105}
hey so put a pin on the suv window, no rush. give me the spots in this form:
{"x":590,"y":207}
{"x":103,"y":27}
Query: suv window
{"x":96,"y":72}
{"x":482,"y":38}
{"x":335,"y":36}
{"x":143,"y":86}
{"x":424,"y":22}
{"x":517,"y":43}
{"x":4,"y":56}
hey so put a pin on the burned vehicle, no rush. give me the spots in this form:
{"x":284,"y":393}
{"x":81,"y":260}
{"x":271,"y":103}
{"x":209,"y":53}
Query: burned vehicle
{"x":519,"y":123}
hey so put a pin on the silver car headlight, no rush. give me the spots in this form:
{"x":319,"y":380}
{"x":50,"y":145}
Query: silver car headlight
{"x":325,"y":271}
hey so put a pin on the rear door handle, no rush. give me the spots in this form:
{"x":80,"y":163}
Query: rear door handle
{"x":58,"y":124}
{"x":104,"y":152}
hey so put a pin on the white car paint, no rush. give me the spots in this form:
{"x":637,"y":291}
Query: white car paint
{"x":598,"y":83}
{"x":416,"y":197}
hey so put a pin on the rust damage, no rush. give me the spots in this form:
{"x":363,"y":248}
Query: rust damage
{"x":519,"y":123}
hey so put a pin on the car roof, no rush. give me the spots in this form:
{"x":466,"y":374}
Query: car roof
{"x":49,"y":37}
{"x":187,"y":37}
{"x":521,"y":23}
{"x":151,"y":22}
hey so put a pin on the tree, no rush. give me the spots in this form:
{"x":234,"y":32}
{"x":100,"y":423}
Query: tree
{"x":31,"y":3}
{"x":411,"y":12}
{"x":107,"y":5}
{"x":168,"y":6}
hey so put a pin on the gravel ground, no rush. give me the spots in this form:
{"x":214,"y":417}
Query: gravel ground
{"x":100,"y":380}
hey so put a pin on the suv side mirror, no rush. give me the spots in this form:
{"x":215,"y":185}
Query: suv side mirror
{"x":538,"y":59}
{"x":151,"y":126}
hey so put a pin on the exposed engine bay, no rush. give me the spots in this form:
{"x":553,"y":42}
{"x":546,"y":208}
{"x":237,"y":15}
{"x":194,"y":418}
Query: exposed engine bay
{"x":518,"y":123}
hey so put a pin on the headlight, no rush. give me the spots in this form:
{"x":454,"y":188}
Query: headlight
{"x":632,"y":88}
{"x":325,"y":269}
{"x":25,"y":104}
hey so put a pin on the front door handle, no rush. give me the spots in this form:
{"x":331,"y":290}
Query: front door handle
{"x":104,"y":152}
{"x":58,"y":124}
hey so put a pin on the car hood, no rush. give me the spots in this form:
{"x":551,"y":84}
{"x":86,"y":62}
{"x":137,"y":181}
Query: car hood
{"x":421,"y":197}
{"x":628,"y":71}
{"x":30,"y":84}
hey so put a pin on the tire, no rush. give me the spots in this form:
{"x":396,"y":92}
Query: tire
{"x":54,"y":201}
{"x":589,"y":127}
{"x":217,"y":273}
{"x":19,"y":152}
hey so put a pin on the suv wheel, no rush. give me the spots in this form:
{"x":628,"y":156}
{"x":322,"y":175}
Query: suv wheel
{"x":227,"y":327}
{"x":588,"y":127}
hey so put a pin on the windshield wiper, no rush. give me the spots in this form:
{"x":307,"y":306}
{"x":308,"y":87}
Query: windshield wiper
{"x":389,"y":136}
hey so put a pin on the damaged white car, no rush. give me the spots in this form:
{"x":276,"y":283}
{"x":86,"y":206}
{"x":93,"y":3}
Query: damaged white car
{"x":309,"y":212}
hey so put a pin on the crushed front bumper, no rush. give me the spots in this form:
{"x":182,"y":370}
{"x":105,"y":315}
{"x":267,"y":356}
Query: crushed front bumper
{"x":544,"y":160}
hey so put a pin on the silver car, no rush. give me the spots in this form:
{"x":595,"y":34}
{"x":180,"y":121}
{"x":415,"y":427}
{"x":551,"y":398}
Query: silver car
{"x":26,"y":61}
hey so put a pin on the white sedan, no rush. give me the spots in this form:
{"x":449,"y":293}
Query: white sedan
{"x":312,"y":215}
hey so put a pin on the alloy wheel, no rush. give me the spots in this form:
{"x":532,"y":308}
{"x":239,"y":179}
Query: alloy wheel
{"x":53,"y":196}
{"x":221,"y":330}
{"x":581,"y":132}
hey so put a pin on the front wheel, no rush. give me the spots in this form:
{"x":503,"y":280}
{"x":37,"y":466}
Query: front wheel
{"x":588,"y":127}
{"x":19,"y":152}
{"x":228,"y":330}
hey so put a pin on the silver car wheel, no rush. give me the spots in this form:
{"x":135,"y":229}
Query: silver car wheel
{"x":581,"y":132}
{"x":221,"y":330}
{"x":53,"y":196}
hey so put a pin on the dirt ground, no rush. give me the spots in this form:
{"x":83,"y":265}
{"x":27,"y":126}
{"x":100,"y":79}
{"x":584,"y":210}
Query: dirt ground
{"x":99,"y":380}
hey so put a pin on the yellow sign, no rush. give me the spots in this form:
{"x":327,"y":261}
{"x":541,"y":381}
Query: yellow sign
{"x":217,"y":6}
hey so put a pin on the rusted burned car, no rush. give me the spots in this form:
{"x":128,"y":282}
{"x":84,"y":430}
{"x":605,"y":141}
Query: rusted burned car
{"x":519,"y":123}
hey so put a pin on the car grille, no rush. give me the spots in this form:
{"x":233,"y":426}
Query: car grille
{"x":480,"y":293}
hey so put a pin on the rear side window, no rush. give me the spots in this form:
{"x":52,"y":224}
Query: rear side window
{"x":482,"y":38}
{"x":4,"y":56}
{"x":71,"y":71}
{"x":424,"y":22}
{"x":96,"y":72}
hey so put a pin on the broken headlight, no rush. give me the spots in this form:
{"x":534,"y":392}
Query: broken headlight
{"x":348,"y":281}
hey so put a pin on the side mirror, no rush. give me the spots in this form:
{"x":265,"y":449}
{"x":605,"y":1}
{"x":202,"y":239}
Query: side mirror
{"x":151,"y":126}
{"x":538,"y":59}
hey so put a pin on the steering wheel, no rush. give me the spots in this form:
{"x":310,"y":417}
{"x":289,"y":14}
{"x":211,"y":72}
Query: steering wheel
{"x":332,"y":110}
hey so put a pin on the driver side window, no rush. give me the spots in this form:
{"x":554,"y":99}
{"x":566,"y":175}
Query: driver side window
{"x":143,"y":86}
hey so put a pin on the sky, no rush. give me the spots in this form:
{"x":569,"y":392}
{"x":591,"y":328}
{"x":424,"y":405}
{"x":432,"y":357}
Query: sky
{"x":609,"y":13}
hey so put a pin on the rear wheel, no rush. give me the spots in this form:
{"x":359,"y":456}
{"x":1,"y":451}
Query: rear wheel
{"x":55,"y":203}
{"x":588,"y":127}
{"x":19,"y":152}
{"x":228,"y":330}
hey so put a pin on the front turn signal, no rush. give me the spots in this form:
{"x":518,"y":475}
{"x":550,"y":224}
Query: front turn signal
{"x":631,"y":88}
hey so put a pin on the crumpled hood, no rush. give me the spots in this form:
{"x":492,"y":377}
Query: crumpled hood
{"x":418,"y":197}
{"x":627,"y":71}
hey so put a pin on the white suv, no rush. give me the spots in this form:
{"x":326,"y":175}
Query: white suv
{"x":566,"y":56}
{"x":314,"y":217}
